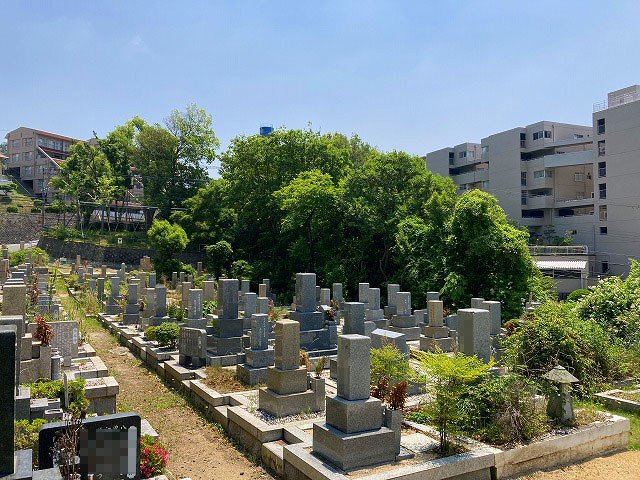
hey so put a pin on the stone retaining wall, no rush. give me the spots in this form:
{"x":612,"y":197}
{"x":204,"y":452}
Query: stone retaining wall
{"x":106,"y":255}
{"x":16,"y":227}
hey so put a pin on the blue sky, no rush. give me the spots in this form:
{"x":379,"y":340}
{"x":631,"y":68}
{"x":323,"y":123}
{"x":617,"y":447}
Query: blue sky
{"x":413,"y":76}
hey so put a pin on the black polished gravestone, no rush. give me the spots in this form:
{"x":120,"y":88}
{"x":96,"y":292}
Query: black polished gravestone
{"x":7,"y":392}
{"x":109,"y":446}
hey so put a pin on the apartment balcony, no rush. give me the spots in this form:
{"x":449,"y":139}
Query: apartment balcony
{"x":535,"y":183}
{"x":471,"y":177}
{"x":582,"y":202}
{"x":539,"y":201}
{"x":565,"y":159}
{"x":533,"y":222}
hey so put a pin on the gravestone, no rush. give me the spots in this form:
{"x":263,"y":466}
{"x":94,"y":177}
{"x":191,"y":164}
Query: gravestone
{"x":227,"y":327}
{"x":436,"y":333}
{"x":286,"y":392}
{"x":262,"y":305}
{"x":381,"y":337}
{"x":392,"y":292}
{"x":80,"y":276}
{"x":103,"y":271}
{"x":313,"y":333}
{"x":260,"y":355}
{"x":373,"y":312}
{"x":199,"y":268}
{"x":245,"y":287}
{"x":262,"y":290}
{"x":92,"y":285}
{"x":113,"y":305}
{"x":337,"y":294}
{"x":208,"y":290}
{"x":109,"y":446}
{"x":195,"y":319}
{"x":474,"y":329}
{"x":363,"y":294}
{"x":65,"y":339}
{"x":477,"y":302}
{"x":185,"y":286}
{"x":14,"y":300}
{"x":352,"y":434}
{"x":8,"y":376}
{"x":250,"y":300}
{"x":192,"y":347}
{"x":131,"y":315}
{"x":403,"y":321}
{"x":325,"y":296}
{"x":174,"y":280}
{"x":100,"y":289}
{"x":18,"y":322}
{"x":354,"y":318}
{"x":123,"y":272}
{"x":160,"y":306}
{"x":495,"y":315}
{"x":152,"y":279}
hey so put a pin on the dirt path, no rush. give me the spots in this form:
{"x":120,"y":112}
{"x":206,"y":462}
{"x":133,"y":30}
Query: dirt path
{"x":197,"y":449}
{"x":619,"y":466}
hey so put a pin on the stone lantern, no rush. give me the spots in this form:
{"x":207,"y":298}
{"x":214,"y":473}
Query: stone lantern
{"x":560,"y":406}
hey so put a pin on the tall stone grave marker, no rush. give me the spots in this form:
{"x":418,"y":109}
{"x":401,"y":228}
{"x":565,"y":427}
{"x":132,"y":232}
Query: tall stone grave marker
{"x":474,"y":330}
{"x":227,"y":327}
{"x":392,"y":292}
{"x":131,"y":315}
{"x":250,"y":300}
{"x":374,"y":313}
{"x":352,"y":435}
{"x":260,"y":355}
{"x":436,"y":333}
{"x":286,"y":392}
{"x":7,"y":391}
{"x":209,"y":290}
{"x":113,"y":305}
{"x":403,"y":321}
{"x":313,"y":334}
{"x":495,"y":315}
{"x":192,"y":347}
{"x":195,"y":318}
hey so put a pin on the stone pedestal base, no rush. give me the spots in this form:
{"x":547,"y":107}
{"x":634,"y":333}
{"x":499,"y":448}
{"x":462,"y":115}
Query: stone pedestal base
{"x":195,"y":362}
{"x":427,"y":344}
{"x":389,"y":311}
{"x":156,"y":321}
{"x":320,"y":339}
{"x":435,"y":332}
{"x":404,"y":321}
{"x":113,"y":309}
{"x":308,"y":320}
{"x":350,"y":416}
{"x":348,"y":451}
{"x":381,"y":323}
{"x":224,"y":345}
{"x":293,"y":403}
{"x":369,"y":327}
{"x":410,"y":333}
{"x":284,"y":382}
{"x":251,"y":375}
{"x":260,"y":358}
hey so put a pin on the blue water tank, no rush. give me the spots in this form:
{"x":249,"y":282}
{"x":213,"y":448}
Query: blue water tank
{"x":265,"y":130}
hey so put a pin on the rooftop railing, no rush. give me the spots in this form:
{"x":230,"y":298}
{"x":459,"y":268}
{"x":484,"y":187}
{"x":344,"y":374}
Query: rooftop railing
{"x":536,"y":250}
{"x":616,"y":101}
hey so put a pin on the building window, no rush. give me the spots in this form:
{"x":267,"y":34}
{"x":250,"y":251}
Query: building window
{"x":603,"y":230}
{"x":28,"y":156}
{"x":523,"y":197}
{"x":28,"y":142}
{"x":15,"y":157}
{"x":451,"y":158}
{"x":485,"y":149}
{"x":602,"y":212}
{"x":579,"y":195}
{"x":547,"y":134}
{"x":542,"y":134}
{"x":39,"y":185}
{"x":605,"y":267}
{"x":601,"y":127}
{"x":601,"y":148}
{"x":523,"y":140}
{"x":15,"y":143}
{"x":40,"y":169}
{"x":462,"y":154}
{"x":523,"y":179}
{"x":28,"y":171}
{"x":602,"y":169}
{"x":577,"y":135}
{"x":485,"y":184}
{"x":578,"y":177}
{"x":603,"y":190}
{"x":41,"y":142}
{"x":543,"y":174}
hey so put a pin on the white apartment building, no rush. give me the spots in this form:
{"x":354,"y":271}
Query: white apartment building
{"x":584,"y":180}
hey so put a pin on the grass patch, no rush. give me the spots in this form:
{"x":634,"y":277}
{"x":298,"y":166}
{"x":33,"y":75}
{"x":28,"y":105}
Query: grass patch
{"x":164,"y":402}
{"x":633,"y":396}
{"x":634,"y":418}
{"x":224,"y":380}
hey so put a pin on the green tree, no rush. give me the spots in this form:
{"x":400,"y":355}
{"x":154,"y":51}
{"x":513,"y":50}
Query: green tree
{"x":167,"y":239}
{"x":207,"y":217}
{"x":309,"y":203}
{"x":170,"y":158}
{"x":486,"y":256}
{"x":86,"y":176}
{"x":218,"y":257}
{"x":447,"y":379}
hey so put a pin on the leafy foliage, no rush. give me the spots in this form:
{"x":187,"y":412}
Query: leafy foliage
{"x":219,"y":256}
{"x":153,"y":457}
{"x":447,"y":379}
{"x":55,"y":389}
{"x":18,"y":257}
{"x":389,"y":364}
{"x":167,"y":239}
{"x":167,"y":334}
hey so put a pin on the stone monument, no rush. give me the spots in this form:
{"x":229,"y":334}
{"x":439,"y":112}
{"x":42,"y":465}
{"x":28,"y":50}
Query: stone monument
{"x":260,"y":356}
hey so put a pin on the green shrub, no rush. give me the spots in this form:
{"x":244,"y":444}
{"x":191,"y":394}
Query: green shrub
{"x":167,"y":334}
{"x":241,"y":270}
{"x":167,"y":239}
{"x":209,"y":307}
{"x":175,"y":311}
{"x":151,"y":333}
{"x":389,"y":364}
{"x":18,"y":257}
{"x":37,"y":203}
{"x":577,"y":295}
{"x":218,"y":256}
{"x":6,"y":199}
{"x":55,"y":389}
{"x":25,"y":436}
{"x":35,"y":210}
{"x":552,"y":335}
{"x":447,"y":379}
{"x":61,"y":233}
{"x":12,"y":209}
{"x":503,"y":410}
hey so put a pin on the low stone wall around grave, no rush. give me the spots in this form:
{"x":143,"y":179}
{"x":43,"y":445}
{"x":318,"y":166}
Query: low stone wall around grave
{"x":106,"y":255}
